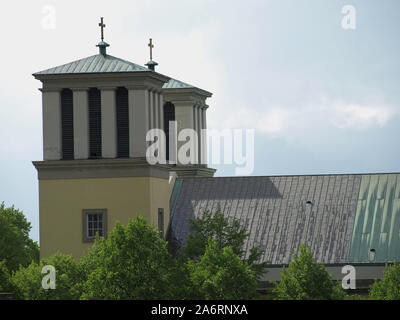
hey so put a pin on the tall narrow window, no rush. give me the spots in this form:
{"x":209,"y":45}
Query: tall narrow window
{"x":161,"y":222}
{"x":122,"y":123}
{"x":169,"y":115}
{"x":94,"y":123}
{"x":67,"y":125}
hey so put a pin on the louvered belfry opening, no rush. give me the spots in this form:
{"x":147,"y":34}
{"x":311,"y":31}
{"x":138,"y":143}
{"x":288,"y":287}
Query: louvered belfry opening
{"x":122,"y":122}
{"x":67,"y":124}
{"x":94,"y":123}
{"x":169,"y":115}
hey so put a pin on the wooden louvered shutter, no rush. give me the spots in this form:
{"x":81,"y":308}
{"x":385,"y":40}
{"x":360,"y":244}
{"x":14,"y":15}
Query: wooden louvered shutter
{"x":169,"y":115}
{"x":94,"y":123}
{"x":122,"y":123}
{"x":67,"y":125}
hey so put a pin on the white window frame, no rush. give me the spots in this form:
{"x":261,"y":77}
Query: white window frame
{"x":85,"y":223}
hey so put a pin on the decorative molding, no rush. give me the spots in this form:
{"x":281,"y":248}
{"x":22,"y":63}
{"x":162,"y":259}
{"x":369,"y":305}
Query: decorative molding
{"x":137,"y":87}
{"x":50,"y":89}
{"x":107,"y":88}
{"x":74,"y":89}
{"x":193,"y":172}
{"x":105,"y":75}
{"x":99,"y":168}
{"x":192,"y":90}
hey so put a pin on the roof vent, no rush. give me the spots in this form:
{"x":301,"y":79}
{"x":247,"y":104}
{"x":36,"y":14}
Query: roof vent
{"x":102,"y":47}
{"x":309,"y":203}
{"x":151,"y":65}
{"x":372,"y":255}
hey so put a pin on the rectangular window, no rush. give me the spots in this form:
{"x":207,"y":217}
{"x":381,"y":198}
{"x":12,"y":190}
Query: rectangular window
{"x":94,"y":123}
{"x":122,"y":122}
{"x":67,"y":125}
{"x":161,"y":222}
{"x":94,"y":222}
{"x":169,"y":115}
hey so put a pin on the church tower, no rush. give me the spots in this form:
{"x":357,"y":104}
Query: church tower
{"x":97,"y":113}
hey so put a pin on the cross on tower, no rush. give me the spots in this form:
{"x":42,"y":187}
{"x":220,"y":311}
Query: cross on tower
{"x":102,"y":26}
{"x":151,"y":46}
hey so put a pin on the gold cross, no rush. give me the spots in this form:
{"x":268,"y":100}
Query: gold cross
{"x":151,"y":46}
{"x":102,"y":26}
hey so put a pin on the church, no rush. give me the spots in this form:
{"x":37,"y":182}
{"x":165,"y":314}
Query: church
{"x":97,"y":112}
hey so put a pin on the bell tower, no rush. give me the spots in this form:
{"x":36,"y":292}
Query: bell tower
{"x":97,"y":112}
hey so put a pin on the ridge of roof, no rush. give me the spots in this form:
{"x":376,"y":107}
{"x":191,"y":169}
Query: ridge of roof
{"x":297,"y":175}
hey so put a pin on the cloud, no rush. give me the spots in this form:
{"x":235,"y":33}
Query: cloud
{"x":360,"y":117}
{"x":306,"y":118}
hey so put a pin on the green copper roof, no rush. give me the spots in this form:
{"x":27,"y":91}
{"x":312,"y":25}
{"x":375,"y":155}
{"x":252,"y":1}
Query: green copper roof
{"x":104,"y":63}
{"x":377,"y":221}
{"x":176,"y":84}
{"x":95,"y":64}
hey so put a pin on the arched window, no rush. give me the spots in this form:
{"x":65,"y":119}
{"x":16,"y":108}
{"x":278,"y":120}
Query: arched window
{"x":122,"y":122}
{"x":94,"y":123}
{"x":67,"y":125}
{"x":169,"y":115}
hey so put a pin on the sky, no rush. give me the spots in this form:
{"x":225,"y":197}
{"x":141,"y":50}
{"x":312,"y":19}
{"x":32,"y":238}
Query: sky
{"x":321,"y":98}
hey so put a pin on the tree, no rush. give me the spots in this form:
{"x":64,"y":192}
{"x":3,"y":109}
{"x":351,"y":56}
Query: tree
{"x":306,"y":280}
{"x":220,"y":274}
{"x":16,"y":248}
{"x":5,"y":283}
{"x":27,"y":282}
{"x":226,"y":233}
{"x":132,"y":263}
{"x":389,"y":287}
{"x":215,"y":226}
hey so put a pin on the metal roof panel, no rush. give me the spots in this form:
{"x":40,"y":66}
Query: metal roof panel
{"x":95,"y":64}
{"x":377,"y":220}
{"x":275,"y":213}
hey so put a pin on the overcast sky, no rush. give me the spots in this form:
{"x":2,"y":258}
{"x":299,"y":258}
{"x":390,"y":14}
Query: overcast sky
{"x":322,"y":99}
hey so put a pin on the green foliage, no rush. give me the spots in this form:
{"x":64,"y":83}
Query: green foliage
{"x":307,"y":280}
{"x":225,"y":233}
{"x":389,"y":287}
{"x":16,"y":248}
{"x":220,"y":274}
{"x":5,"y":284}
{"x":133,"y":263}
{"x":355,"y":297}
{"x":214,"y":226}
{"x":27,"y":282}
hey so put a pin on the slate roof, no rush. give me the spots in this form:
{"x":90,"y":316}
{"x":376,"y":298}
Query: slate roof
{"x":275,"y":212}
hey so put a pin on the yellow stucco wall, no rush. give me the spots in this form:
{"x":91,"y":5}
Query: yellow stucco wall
{"x":62,"y":202}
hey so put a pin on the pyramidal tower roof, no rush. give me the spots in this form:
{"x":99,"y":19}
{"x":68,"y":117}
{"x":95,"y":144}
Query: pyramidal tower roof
{"x":98,"y":63}
{"x":105,"y":63}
